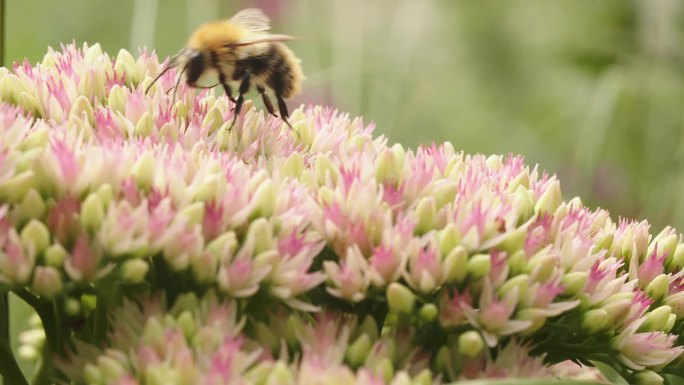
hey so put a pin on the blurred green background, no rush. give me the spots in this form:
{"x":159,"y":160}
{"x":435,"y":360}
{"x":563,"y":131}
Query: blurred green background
{"x":590,"y":90}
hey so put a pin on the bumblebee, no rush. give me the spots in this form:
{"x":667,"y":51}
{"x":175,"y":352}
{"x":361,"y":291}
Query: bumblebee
{"x":239,"y":51}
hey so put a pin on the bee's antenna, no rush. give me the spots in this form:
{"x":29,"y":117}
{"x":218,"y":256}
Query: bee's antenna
{"x":180,"y":76}
{"x":165,"y":70}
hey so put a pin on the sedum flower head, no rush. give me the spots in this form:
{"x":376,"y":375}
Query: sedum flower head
{"x":107,"y":191}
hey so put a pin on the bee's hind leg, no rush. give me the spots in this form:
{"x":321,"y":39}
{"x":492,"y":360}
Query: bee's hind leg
{"x":267,"y":100}
{"x":244,"y":88}
{"x":282,"y":107}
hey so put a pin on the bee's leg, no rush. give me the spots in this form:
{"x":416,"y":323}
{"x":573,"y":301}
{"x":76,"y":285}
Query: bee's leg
{"x":282,"y":107}
{"x":222,"y":78}
{"x":244,"y":87}
{"x":267,"y":101}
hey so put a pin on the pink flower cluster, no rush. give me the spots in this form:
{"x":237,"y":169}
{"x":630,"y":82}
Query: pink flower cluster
{"x":102,"y":186}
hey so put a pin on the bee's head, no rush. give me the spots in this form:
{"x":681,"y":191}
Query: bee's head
{"x":194,"y":66}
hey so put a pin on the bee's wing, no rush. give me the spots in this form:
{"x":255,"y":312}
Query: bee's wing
{"x":263,"y":38}
{"x":252,"y":19}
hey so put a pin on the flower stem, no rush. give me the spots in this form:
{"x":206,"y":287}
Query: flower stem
{"x":9,"y":369}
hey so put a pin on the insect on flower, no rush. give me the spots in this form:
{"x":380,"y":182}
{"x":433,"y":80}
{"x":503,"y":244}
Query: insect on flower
{"x":241,"y":51}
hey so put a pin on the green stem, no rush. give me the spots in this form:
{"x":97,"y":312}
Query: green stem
{"x":44,"y":371}
{"x":9,"y":368}
{"x":106,"y":295}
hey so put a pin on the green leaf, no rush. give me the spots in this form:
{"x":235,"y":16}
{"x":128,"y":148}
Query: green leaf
{"x":610,"y":373}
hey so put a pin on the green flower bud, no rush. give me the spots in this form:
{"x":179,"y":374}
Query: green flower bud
{"x":517,"y":262}
{"x":54,"y":255}
{"x":213,"y":119}
{"x":677,"y":260}
{"x":134,"y":270}
{"x":448,"y":238}
{"x":536,"y":316}
{"x":223,"y":246}
{"x":193,"y":213}
{"x":117,"y":99}
{"x":204,"y":267}
{"x":426,"y":212}
{"x":521,"y":281}
{"x":423,"y":378}
{"x":111,"y":369}
{"x":594,"y":320}
{"x":656,"y":319}
{"x":470,"y":344}
{"x":186,"y":321}
{"x":143,"y":171}
{"x":261,"y":232}
{"x":369,"y":327}
{"x":358,"y":351}
{"x":442,"y":359}
{"x":513,"y":241}
{"x":266,"y":336}
{"x":293,"y":166}
{"x":82,"y":107}
{"x":456,"y":265}
{"x":35,"y":234}
{"x":648,"y":377}
{"x":92,"y":374}
{"x":92,"y":212}
{"x":15,"y":188}
{"x":265,"y":198}
{"x":280,"y":375}
{"x":169,"y":131}
{"x":72,"y":307}
{"x":384,"y":369}
{"x":145,"y":126}
{"x":153,"y":333}
{"x":574,"y":282}
{"x":658,"y":287}
{"x":47,"y":282}
{"x":670,"y":323}
{"x":32,"y":206}
{"x":523,"y":201}
{"x":400,"y":299}
{"x":604,"y":242}
{"x":445,"y":193}
{"x":105,"y":193}
{"x":479,"y":265}
{"x":428,"y":312}
{"x":550,"y":199}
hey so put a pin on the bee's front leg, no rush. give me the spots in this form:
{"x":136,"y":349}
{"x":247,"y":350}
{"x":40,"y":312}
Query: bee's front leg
{"x":244,"y":88}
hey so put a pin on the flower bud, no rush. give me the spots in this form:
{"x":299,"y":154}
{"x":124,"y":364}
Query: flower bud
{"x":517,"y":262}
{"x":426,"y":213}
{"x":370,"y":327}
{"x":186,"y":321}
{"x":658,"y":287}
{"x":521,"y":282}
{"x":193,"y":214}
{"x":445,"y":193}
{"x":72,"y":307}
{"x":15,"y":188}
{"x":92,"y":212}
{"x":358,"y":351}
{"x":105,"y":193}
{"x":400,"y":298}
{"x":513,"y":241}
{"x":125,"y":65}
{"x":145,"y":126}
{"x":35,"y":234}
{"x":293,"y":166}
{"x":384,"y":369}
{"x":594,"y":320}
{"x":456,"y":265}
{"x":224,"y":246}
{"x":265,"y":199}
{"x":428,"y":312}
{"x":213,"y":119}
{"x":648,"y":377}
{"x":117,"y":99}
{"x":47,"y":282}
{"x":92,"y":374}
{"x":550,"y":199}
{"x":204,"y":267}
{"x":448,"y":238}
{"x":670,"y":323}
{"x":32,"y":206}
{"x":479,"y":265}
{"x":280,"y":375}
{"x":423,"y":378}
{"x":677,"y":260}
{"x":574,"y":282}
{"x":536,"y":316}
{"x":143,"y":171}
{"x":134,"y":270}
{"x":54,"y":255}
{"x":470,"y":344}
{"x":604,"y":242}
{"x":656,"y":319}
{"x":261,"y":233}
{"x":81,"y":108}
{"x":111,"y":369}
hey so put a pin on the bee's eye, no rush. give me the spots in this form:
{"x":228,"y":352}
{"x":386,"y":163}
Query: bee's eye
{"x":195,"y":67}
